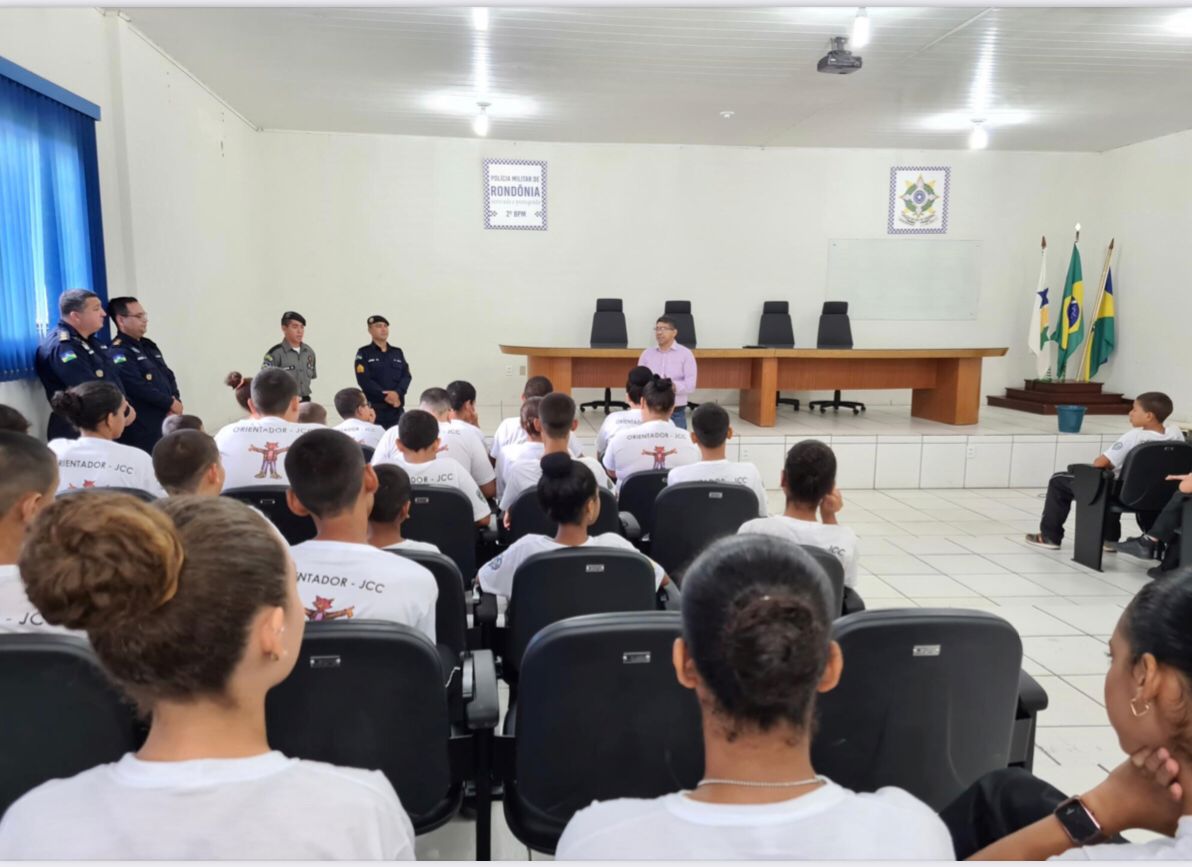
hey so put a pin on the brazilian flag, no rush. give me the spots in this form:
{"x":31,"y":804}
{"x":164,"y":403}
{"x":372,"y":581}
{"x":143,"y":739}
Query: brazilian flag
{"x":1101,"y":338}
{"x":1069,"y":331}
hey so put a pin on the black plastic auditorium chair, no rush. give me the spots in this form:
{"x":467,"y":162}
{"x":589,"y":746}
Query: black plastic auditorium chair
{"x":636,"y":502}
{"x":60,"y":715}
{"x":1140,"y":487}
{"x":132,"y":492}
{"x":526,"y":516}
{"x":371,"y":694}
{"x":271,"y":500}
{"x":689,"y":517}
{"x":775,"y":331}
{"x":928,"y":701}
{"x":369,"y":451}
{"x":835,"y":332}
{"x":608,"y":332}
{"x":443,"y":517}
{"x":451,"y":608}
{"x":834,"y":569}
{"x":599,"y":716}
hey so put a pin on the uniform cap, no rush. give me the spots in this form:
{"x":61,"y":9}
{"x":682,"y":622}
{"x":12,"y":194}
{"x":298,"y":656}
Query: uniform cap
{"x":373,"y":320}
{"x":291,"y":316}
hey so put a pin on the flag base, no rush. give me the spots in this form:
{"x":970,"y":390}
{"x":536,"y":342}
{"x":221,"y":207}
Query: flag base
{"x":1042,"y":396}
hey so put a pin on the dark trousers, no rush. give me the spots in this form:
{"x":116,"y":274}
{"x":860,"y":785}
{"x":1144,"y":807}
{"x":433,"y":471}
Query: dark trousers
{"x":1058,"y":504}
{"x":1167,"y":522}
{"x":852,"y":601}
{"x":388,"y":416}
{"x":997,"y":805}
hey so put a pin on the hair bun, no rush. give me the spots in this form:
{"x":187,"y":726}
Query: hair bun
{"x":557,"y":465}
{"x":768,"y":644}
{"x":233,"y":379}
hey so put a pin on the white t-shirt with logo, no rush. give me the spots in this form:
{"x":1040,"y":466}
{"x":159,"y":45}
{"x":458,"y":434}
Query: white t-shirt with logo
{"x":17,"y":613}
{"x":496,"y":576}
{"x":413,"y":545}
{"x":364,"y":432}
{"x":513,"y":453}
{"x":654,"y":445}
{"x":831,"y":823}
{"x":726,"y":472}
{"x":265,"y":807}
{"x":1177,"y":848}
{"x":446,"y":472}
{"x":510,"y":431}
{"x":1136,"y":436}
{"x":93,"y":462}
{"x":614,"y":422}
{"x":348,"y":580}
{"x":465,"y":443}
{"x":838,"y":539}
{"x":253,"y":450}
{"x":523,"y":475}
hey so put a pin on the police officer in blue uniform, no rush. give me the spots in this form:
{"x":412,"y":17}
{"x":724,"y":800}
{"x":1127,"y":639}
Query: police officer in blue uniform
{"x":383,"y":374}
{"x":72,"y":353}
{"x":148,"y":381}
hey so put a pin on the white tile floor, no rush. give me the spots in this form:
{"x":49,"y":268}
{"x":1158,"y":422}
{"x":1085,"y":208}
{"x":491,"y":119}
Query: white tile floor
{"x":1064,"y":613}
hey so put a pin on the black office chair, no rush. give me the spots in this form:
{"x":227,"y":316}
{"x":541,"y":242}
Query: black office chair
{"x":599,"y":716}
{"x":608,"y":332}
{"x":371,"y":694}
{"x":636,"y":502}
{"x":61,"y":715}
{"x":271,"y":500}
{"x":369,"y":451}
{"x":132,"y":492}
{"x":689,"y":517}
{"x":443,"y":517}
{"x":526,"y":516}
{"x":835,"y":332}
{"x":775,"y":331}
{"x":1141,"y":487}
{"x":834,"y":569}
{"x":927,"y":702}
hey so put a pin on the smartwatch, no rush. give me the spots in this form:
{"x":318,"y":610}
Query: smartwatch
{"x":1079,"y":823}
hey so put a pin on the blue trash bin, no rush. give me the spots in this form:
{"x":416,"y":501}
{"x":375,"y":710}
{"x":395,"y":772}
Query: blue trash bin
{"x":1070,"y":417}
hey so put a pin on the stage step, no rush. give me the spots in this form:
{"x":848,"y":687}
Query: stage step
{"x":1083,"y":398}
{"x":1121,"y":407}
{"x":1061,"y":386}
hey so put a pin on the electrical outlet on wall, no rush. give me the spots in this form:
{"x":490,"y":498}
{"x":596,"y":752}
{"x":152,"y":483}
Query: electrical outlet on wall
{"x":522,"y":370}
{"x":971,"y":451}
{"x":509,"y":370}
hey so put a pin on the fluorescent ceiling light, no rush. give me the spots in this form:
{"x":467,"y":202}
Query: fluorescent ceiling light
{"x":960,"y":121}
{"x":979,"y":137}
{"x":860,"y":37}
{"x":481,"y":123}
{"x":480,"y":17}
{"x":1180,"y":23}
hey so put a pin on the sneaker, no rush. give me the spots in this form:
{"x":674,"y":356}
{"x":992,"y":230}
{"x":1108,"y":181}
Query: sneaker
{"x":1156,"y":572}
{"x":1038,"y":541}
{"x":1109,"y":547}
{"x":1138,"y":546}
{"x":1180,"y":572}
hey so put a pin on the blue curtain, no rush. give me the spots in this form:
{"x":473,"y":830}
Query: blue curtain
{"x":51,"y":238}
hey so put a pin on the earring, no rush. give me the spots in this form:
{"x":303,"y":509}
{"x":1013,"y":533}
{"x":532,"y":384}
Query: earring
{"x":1145,"y":709}
{"x":276,"y":658}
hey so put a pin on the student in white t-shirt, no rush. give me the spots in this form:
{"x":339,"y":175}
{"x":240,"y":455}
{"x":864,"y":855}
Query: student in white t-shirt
{"x":568,"y":494}
{"x":459,"y":440}
{"x":340,"y":575}
{"x":310,"y":412}
{"x":242,"y":389}
{"x":95,"y":460}
{"x":28,"y":480}
{"x":253,"y":449}
{"x":1010,"y":815}
{"x":656,"y":443}
{"x":756,"y":649}
{"x":556,"y":421}
{"x":418,"y":450}
{"x":187,"y":462}
{"x":812,"y":502}
{"x":615,"y":421}
{"x":511,"y":431}
{"x":359,"y":418}
{"x":192,"y":607}
{"x":710,"y":429}
{"x":529,"y":449}
{"x":391,"y":509}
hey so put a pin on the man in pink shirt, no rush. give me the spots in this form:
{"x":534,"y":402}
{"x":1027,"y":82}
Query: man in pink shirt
{"x":673,"y":361}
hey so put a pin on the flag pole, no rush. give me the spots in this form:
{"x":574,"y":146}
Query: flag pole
{"x":1088,"y":344}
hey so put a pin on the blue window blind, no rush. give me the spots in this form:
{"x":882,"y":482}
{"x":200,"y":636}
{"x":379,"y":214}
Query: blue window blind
{"x":51,"y":235}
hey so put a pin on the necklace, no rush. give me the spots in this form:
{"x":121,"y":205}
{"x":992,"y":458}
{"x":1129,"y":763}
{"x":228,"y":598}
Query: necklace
{"x":715,"y":781}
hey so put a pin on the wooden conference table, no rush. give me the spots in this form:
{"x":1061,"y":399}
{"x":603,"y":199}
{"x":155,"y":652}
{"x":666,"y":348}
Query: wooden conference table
{"x":946,"y":383}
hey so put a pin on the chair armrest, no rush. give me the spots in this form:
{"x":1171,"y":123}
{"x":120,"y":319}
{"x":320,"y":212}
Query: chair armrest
{"x":484,"y":609}
{"x":1032,"y":698}
{"x":630,"y":527}
{"x":481,"y":700}
{"x":1089,"y":483}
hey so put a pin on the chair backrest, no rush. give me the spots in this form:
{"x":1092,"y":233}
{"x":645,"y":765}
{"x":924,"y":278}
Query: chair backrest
{"x":369,"y":451}
{"x":926,"y":701}
{"x":835,"y":332}
{"x":608,"y":324}
{"x":271,"y":500}
{"x":1142,"y":485}
{"x":451,"y":608}
{"x":60,"y":715}
{"x":834,"y":569}
{"x":680,"y":311}
{"x":690,"y":516}
{"x":554,"y":585}
{"x":775,"y":328}
{"x":370,"y":694}
{"x":443,"y":517}
{"x":638,"y":494}
{"x":527,"y":516}
{"x":134,"y":492}
{"x":599,"y":716}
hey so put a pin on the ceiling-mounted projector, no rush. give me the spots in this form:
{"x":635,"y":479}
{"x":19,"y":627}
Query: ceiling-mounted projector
{"x":839,"y":60}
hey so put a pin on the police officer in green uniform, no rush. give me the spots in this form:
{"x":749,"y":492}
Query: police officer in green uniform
{"x":72,"y":353}
{"x":147,"y":379}
{"x":292,"y":355}
{"x":383,"y":374}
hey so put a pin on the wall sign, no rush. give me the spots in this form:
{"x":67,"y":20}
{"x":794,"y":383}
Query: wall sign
{"x":515,"y":194}
{"x":918,"y":200}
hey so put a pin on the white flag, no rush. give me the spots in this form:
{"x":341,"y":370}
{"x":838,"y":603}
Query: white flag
{"x":1036,"y":338}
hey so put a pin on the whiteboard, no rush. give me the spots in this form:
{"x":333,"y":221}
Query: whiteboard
{"x":905,"y":278}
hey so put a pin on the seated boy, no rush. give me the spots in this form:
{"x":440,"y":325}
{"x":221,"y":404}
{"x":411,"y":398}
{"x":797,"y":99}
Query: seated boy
{"x":28,"y":479}
{"x":709,"y":431}
{"x":511,"y":430}
{"x":556,"y":421}
{"x":391,"y":508}
{"x":180,"y":421}
{"x":12,"y":420}
{"x":187,"y":462}
{"x":1162,"y":532}
{"x":1147,"y":418}
{"x":359,"y":418}
{"x":462,"y":395}
{"x":655,"y":444}
{"x":458,"y":440}
{"x":530,"y":448}
{"x":615,"y":421}
{"x":340,"y":575}
{"x":418,"y":449}
{"x":312,"y":413}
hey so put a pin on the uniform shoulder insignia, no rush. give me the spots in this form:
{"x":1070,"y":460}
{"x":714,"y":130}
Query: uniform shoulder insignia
{"x":360,"y":368}
{"x":67,"y":354}
{"x":64,"y":335}
{"x":119,"y":358}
